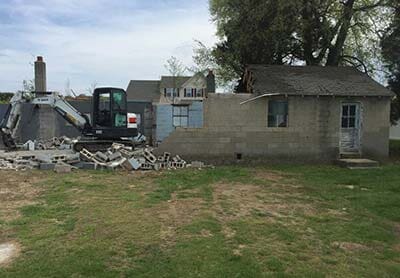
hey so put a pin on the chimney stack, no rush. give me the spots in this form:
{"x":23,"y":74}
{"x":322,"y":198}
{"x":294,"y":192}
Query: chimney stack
{"x":40,"y":75}
{"x":210,"y":82}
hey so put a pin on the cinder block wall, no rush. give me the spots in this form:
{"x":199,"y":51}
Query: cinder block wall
{"x":312,"y":134}
{"x":45,"y":123}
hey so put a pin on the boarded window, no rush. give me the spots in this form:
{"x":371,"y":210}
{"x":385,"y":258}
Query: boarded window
{"x":180,"y":116}
{"x":277,"y":113}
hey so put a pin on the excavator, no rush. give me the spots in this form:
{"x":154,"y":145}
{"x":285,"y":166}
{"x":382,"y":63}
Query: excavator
{"x":111,"y":122}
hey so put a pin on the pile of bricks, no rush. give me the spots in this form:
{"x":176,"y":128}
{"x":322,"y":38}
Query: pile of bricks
{"x":44,"y":161}
{"x":56,"y":143}
{"x":120,"y":156}
{"x":57,"y":155}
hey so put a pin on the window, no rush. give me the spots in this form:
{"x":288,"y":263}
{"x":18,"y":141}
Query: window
{"x":119,"y":102}
{"x":277,"y":113}
{"x":188,"y":92}
{"x":180,"y":116}
{"x":119,"y":108}
{"x":171,"y":92}
{"x":104,"y":118}
{"x":349,"y":116}
{"x":200,"y":93}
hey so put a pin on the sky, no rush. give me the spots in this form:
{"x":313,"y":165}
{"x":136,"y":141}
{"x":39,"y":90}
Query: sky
{"x":98,"y":41}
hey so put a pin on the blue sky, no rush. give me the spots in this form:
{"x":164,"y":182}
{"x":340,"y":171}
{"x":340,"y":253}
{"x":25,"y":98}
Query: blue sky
{"x":107,"y":42}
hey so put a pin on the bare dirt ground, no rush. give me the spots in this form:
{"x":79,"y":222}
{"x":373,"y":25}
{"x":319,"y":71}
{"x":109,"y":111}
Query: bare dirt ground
{"x":17,"y":189}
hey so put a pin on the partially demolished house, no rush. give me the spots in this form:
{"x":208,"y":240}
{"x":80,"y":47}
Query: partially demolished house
{"x":177,"y":101}
{"x":291,"y":113}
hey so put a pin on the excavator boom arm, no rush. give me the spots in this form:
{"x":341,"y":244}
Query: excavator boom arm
{"x":65,"y":109}
{"x":10,"y":122}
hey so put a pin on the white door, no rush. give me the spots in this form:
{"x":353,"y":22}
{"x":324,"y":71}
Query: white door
{"x":350,"y":127}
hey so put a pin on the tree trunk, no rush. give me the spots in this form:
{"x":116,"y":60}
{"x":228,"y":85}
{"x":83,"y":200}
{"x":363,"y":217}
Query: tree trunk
{"x":335,"y":51}
{"x":308,"y":33}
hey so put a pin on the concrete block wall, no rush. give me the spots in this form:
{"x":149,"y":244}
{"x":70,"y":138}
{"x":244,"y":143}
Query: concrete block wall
{"x":196,"y":114}
{"x":44,"y":123}
{"x":375,"y":127}
{"x":313,"y":132}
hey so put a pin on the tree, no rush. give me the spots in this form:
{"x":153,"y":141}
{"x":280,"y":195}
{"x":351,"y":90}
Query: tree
{"x":391,"y":54}
{"x":28,"y":86}
{"x":5,"y":97}
{"x":311,"y":32}
{"x":175,"y":67}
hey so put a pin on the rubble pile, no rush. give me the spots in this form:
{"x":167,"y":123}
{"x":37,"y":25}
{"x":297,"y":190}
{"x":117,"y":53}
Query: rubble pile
{"x":121,"y":156}
{"x":55,"y":143}
{"x":57,"y":154}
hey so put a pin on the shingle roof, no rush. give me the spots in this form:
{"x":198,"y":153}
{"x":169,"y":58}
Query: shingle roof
{"x":173,"y":82}
{"x":314,"y":80}
{"x":143,"y":90}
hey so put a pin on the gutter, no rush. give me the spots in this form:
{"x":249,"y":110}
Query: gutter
{"x":258,"y":97}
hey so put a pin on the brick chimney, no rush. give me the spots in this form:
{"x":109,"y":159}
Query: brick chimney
{"x":210,"y":82}
{"x":40,"y":75}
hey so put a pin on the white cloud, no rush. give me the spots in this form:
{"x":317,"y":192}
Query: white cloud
{"x":99,"y":42}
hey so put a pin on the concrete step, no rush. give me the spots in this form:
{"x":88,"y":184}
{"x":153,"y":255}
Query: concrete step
{"x":349,"y":155}
{"x":358,"y":163}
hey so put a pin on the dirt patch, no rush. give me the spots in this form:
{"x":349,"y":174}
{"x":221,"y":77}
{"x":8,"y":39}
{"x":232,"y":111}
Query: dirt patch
{"x":269,"y":176}
{"x":397,"y":229}
{"x":238,"y":250}
{"x":206,"y":233}
{"x":8,"y":251}
{"x":17,"y":190}
{"x":349,"y":246}
{"x":228,"y":232}
{"x":177,"y":213}
{"x":234,"y":201}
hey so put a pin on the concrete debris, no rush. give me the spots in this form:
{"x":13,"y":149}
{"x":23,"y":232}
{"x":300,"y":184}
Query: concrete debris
{"x":59,"y":143}
{"x":119,"y":156}
{"x":58,"y":155}
{"x":62,"y":168}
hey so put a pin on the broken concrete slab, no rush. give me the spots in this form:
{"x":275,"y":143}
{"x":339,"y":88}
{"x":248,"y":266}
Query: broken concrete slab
{"x":62,"y":168}
{"x":357,"y":163}
{"x":47,"y":166}
{"x":114,"y":156}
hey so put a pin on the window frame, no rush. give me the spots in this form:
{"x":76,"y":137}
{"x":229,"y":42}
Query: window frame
{"x":171,"y":92}
{"x":269,"y":114}
{"x":181,"y":116}
{"x":346,"y":118}
{"x":190,"y":93}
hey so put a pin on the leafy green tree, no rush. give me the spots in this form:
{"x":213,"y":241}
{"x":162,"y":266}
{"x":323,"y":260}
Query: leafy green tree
{"x":5,"y":97}
{"x":311,"y":32}
{"x":391,"y":54}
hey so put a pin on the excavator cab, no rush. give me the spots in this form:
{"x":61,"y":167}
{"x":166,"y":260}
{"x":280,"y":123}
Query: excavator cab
{"x":110,"y":114}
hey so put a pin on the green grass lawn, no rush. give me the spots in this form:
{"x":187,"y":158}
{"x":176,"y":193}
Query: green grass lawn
{"x":281,"y":221}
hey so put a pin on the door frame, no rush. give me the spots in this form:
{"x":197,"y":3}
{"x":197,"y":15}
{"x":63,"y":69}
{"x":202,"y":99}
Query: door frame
{"x":359,"y":124}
